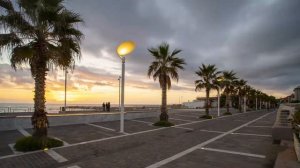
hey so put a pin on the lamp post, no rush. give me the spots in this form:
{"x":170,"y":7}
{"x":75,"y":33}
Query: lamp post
{"x":123,"y":49}
{"x":119,"y":79}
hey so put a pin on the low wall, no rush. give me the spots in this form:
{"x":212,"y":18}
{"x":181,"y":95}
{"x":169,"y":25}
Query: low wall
{"x":12,"y":123}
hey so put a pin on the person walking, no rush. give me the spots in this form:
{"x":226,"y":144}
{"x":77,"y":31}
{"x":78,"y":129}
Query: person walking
{"x":108,"y":106}
{"x":103,"y":106}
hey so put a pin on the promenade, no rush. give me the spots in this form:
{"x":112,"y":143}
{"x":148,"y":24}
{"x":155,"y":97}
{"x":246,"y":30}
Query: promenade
{"x":241,"y":140}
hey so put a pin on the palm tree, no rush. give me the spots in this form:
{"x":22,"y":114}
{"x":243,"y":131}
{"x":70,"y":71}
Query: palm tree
{"x":229,"y":79}
{"x":247,"y":94}
{"x":208,"y":76}
{"x":40,"y":34}
{"x":165,"y":68}
{"x":240,"y":84}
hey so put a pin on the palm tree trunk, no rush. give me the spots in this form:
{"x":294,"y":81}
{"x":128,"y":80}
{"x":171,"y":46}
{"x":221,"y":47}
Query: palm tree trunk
{"x":227,"y":103}
{"x":39,"y":118}
{"x":207,"y":102}
{"x":240,"y":104}
{"x":164,"y":113}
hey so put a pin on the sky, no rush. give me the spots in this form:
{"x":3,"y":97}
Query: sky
{"x":259,"y":40}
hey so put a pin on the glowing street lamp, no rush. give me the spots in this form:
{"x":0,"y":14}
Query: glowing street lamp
{"x":124,"y":49}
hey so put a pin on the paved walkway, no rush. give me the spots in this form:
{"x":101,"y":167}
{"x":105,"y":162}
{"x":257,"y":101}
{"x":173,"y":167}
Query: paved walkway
{"x":229,"y":141}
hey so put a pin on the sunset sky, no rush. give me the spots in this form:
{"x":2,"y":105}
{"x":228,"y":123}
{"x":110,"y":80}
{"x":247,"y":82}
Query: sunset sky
{"x":259,"y":40}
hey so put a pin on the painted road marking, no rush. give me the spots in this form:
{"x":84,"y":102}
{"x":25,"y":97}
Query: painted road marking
{"x":220,"y":132}
{"x":233,"y":152}
{"x":185,"y":152}
{"x":191,"y":129}
{"x":98,"y":126}
{"x":259,"y":126}
{"x":180,"y":119}
{"x":186,"y":116}
{"x":65,"y":143}
{"x":24,"y":132}
{"x":75,"y":166}
{"x":145,"y":122}
{"x":120,"y":136}
{"x":56,"y":156}
{"x":11,"y":146}
{"x":262,"y":135}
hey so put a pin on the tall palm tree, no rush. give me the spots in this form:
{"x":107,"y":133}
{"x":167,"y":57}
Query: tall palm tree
{"x":208,"y":76}
{"x":229,"y":79}
{"x":247,"y":94}
{"x":240,"y":84}
{"x":41,"y":34}
{"x":165,"y":68}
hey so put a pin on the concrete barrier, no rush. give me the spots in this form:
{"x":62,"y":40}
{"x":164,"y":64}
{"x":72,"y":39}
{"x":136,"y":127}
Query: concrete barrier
{"x":13,"y":123}
{"x":282,"y":128}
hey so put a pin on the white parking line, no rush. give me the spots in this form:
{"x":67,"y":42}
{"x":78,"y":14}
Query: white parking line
{"x":220,"y":132}
{"x":98,"y":126}
{"x":185,"y":152}
{"x":233,"y":152}
{"x":181,"y":119}
{"x":259,"y":126}
{"x":56,"y":156}
{"x":24,"y":132}
{"x":186,"y":116}
{"x":191,"y":129}
{"x":65,"y":143}
{"x":75,"y":166}
{"x":262,"y":135}
{"x":145,"y":122}
{"x":11,"y":146}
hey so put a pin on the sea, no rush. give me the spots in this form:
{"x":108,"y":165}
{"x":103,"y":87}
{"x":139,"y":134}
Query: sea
{"x":53,"y":108}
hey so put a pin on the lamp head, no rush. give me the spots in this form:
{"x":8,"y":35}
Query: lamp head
{"x":125,"y":48}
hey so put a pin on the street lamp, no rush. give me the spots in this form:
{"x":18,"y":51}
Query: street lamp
{"x":124,"y":49}
{"x":119,"y":79}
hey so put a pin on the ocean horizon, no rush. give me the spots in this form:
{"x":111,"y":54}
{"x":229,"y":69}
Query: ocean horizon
{"x":55,"y":107}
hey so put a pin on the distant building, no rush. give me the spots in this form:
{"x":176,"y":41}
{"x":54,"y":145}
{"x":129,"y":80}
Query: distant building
{"x":200,"y":103}
{"x":297,"y":93}
{"x":288,"y":99}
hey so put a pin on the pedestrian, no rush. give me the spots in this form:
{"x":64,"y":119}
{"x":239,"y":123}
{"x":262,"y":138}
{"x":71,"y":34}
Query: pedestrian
{"x":103,"y":106}
{"x":108,"y":106}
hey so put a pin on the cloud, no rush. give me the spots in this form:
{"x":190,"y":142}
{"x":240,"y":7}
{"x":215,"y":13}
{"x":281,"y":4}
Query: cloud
{"x":259,"y":40}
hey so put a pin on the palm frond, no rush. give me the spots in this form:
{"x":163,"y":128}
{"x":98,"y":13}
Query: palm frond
{"x":9,"y":41}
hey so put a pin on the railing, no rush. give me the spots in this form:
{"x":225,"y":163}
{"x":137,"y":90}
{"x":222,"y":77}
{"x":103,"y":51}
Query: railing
{"x":100,"y":108}
{"x":15,"y":109}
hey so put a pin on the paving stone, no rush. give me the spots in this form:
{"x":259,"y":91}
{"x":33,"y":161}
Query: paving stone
{"x":129,"y":126}
{"x":208,"y":159}
{"x":34,"y":160}
{"x":256,"y":130}
{"x":241,"y":143}
{"x":77,"y":133}
{"x":8,"y":137}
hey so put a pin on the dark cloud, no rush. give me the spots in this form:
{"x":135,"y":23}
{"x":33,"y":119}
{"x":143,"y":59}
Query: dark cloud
{"x":259,"y":40}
